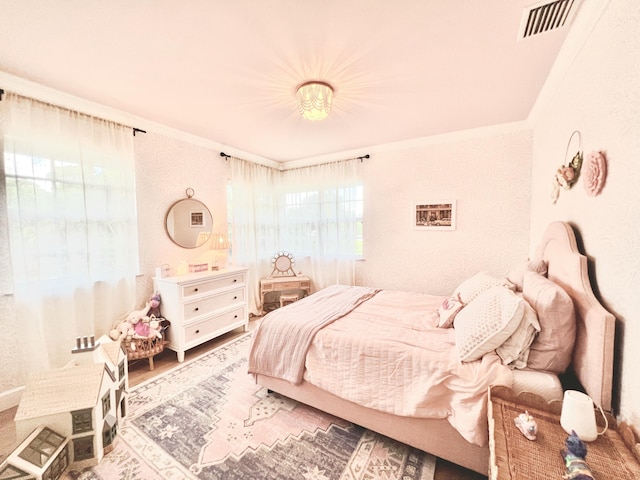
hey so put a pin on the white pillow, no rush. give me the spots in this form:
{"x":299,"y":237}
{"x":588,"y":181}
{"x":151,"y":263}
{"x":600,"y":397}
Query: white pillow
{"x":487,"y":322}
{"x":516,"y":273}
{"x":475,"y":285}
{"x":553,"y":347}
{"x":514,"y":352}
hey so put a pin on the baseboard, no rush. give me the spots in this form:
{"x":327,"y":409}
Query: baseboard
{"x":10,"y":398}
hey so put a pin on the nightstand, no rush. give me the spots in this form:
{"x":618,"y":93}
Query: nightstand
{"x":513,"y":457}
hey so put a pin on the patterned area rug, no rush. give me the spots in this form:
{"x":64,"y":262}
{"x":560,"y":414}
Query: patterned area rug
{"x":207,"y":419}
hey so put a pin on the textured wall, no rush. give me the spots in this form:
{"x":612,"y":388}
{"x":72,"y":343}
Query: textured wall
{"x":489,"y":178}
{"x":600,"y":96}
{"x":165,"y":168}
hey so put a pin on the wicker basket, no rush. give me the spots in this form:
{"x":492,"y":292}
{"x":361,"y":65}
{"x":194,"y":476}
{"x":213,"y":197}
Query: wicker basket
{"x":147,"y":347}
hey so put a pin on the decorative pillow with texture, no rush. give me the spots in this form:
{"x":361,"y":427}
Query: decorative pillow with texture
{"x":553,"y":347}
{"x":516,"y":274}
{"x":448,"y":311}
{"x":475,"y":285}
{"x":514,"y":352}
{"x":487,"y":322}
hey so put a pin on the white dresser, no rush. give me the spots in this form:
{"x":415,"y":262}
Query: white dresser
{"x":202,"y":306}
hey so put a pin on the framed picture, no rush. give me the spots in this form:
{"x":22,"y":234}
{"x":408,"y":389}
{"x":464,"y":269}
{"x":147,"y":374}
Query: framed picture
{"x":435,"y":216}
{"x":197,"y":219}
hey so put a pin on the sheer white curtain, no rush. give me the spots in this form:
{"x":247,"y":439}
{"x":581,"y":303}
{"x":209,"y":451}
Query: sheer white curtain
{"x":313,"y":212}
{"x":71,"y":217}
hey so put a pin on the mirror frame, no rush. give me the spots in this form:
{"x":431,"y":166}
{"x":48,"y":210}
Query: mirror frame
{"x":206,"y":212}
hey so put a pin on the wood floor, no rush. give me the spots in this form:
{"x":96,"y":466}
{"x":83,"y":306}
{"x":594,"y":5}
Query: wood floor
{"x":139,"y":372}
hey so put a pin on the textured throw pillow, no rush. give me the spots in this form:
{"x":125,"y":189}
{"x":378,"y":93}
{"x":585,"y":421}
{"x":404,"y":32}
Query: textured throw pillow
{"x":448,"y":310}
{"x":514,"y":352}
{"x":487,"y":322}
{"x":553,"y":347}
{"x":475,"y":285}
{"x":516,"y":274}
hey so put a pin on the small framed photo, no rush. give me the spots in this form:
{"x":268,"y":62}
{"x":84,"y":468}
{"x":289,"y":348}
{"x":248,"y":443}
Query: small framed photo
{"x":197,"y":219}
{"x":435,"y":215}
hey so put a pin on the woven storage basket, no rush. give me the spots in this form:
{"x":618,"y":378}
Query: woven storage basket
{"x":147,"y":347}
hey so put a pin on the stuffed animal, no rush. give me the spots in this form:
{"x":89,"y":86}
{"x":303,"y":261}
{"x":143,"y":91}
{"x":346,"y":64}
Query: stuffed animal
{"x":154,"y":306}
{"x":124,"y":332}
{"x":141,"y":327}
{"x":155,"y":328}
{"x":137,"y":315}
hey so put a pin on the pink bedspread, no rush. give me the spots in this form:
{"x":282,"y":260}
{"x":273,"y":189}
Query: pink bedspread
{"x":389,"y":355}
{"x":280,"y":344}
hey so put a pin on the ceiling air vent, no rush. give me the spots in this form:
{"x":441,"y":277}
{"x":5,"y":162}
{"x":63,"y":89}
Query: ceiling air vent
{"x":546,"y":16}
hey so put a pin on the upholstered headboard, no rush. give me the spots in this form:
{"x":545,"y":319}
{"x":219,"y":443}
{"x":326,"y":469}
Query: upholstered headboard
{"x":594,"y":348}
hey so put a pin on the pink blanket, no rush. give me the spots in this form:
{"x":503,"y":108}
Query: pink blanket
{"x":280,"y":345}
{"x":387,"y":354}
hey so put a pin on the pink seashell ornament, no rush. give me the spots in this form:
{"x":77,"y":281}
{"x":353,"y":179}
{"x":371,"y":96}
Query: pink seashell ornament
{"x":594,"y":173}
{"x":527,"y":425}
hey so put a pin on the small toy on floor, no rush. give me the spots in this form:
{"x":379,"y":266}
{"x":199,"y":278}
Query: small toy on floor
{"x":574,"y":459}
{"x":527,"y":425}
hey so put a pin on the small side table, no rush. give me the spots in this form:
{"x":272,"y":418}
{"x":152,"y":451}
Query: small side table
{"x":513,"y":457}
{"x":283,"y":284}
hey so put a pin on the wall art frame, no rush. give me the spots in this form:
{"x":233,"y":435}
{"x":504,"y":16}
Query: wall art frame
{"x":435,"y":215}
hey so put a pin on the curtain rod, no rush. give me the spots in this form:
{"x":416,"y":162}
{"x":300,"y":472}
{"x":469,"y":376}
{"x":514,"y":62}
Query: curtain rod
{"x":361,"y":158}
{"x":134,"y":129}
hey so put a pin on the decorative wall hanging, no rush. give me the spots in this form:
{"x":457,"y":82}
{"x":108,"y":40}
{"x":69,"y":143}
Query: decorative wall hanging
{"x":594,"y":172}
{"x":569,"y":172}
{"x":435,"y":216}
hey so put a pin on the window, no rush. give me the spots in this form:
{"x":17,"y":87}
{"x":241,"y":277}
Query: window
{"x":83,"y":448}
{"x":82,"y":421}
{"x":106,"y":404}
{"x":42,"y":447}
{"x":330,"y":219}
{"x":69,"y":183}
{"x":52,"y":198}
{"x":121,"y":370}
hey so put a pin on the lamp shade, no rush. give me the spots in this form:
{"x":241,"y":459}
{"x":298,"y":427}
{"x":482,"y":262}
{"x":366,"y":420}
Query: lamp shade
{"x":578,"y":414}
{"x":220,"y":241}
{"x":314,"y":100}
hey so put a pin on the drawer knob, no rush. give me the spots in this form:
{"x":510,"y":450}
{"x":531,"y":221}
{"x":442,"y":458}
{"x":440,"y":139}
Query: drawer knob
{"x":197,"y":331}
{"x":195,"y":289}
{"x":235,"y":280}
{"x":235,"y":316}
{"x":235,"y":298}
{"x":196,"y":309}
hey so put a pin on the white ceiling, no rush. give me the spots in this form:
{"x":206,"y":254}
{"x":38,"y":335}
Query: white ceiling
{"x":226,"y":70}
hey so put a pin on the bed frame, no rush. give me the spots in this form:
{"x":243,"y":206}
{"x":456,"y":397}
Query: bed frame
{"x":592,"y":363}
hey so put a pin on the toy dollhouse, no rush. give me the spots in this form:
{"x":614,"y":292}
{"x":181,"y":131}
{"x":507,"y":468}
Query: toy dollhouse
{"x":70,"y":416}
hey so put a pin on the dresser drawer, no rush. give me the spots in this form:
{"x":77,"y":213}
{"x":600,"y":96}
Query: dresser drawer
{"x":199,"y":331}
{"x":198,"y":288}
{"x":212,"y":303}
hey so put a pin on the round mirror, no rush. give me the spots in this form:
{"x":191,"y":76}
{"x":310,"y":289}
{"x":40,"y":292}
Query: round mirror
{"x":188,"y":222}
{"x":282,"y":264}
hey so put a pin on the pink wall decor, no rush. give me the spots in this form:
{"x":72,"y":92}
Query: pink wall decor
{"x":594,"y":172}
{"x":569,"y":172}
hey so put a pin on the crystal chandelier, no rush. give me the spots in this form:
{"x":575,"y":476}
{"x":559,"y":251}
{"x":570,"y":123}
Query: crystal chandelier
{"x":314,"y":100}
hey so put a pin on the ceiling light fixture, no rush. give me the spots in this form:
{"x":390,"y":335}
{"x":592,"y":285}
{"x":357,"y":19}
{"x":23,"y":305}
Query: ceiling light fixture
{"x":314,"y":99}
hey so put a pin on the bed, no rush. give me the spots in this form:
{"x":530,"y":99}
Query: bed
{"x":417,"y":367}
